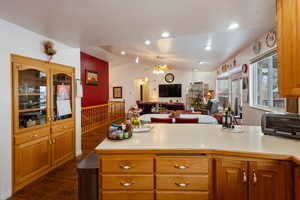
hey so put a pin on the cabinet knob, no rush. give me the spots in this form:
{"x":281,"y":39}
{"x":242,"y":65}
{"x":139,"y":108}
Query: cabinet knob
{"x":181,"y":166}
{"x":244,"y":177}
{"x":35,"y":135}
{"x":182,"y":185}
{"x":126,"y":167}
{"x":254,"y":177}
{"x":127,"y":184}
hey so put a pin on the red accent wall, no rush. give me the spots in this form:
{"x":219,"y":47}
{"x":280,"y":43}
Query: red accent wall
{"x":94,"y":95}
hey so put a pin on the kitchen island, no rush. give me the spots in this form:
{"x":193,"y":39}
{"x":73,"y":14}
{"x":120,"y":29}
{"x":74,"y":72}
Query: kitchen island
{"x":198,"y":162}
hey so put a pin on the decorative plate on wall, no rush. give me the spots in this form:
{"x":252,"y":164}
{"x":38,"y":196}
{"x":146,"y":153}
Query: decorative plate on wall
{"x":245,"y":68}
{"x":271,"y":39}
{"x":169,"y":77}
{"x":256,"y":47}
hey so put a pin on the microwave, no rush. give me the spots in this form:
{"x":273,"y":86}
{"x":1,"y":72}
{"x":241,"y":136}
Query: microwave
{"x":281,"y":125}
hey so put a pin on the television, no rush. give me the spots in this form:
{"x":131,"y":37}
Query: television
{"x":170,"y":90}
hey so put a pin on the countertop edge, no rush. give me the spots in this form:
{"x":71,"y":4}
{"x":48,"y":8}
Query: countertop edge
{"x":257,"y":155}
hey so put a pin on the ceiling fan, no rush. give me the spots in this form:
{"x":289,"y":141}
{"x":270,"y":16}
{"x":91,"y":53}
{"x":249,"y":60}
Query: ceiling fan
{"x":160,"y":68}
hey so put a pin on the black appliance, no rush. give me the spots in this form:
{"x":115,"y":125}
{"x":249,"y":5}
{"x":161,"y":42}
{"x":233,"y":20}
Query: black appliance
{"x":283,"y":125}
{"x":170,"y":90}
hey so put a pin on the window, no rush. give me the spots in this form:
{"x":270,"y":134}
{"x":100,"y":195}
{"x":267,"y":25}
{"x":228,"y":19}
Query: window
{"x":236,"y":96}
{"x":223,"y":92}
{"x":265,"y":84}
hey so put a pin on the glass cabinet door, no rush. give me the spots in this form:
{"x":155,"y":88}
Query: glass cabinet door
{"x":62,"y":97}
{"x":32,"y":97}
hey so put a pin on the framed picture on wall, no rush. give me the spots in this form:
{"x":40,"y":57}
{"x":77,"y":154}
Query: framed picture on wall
{"x":117,"y":93}
{"x":92,"y":77}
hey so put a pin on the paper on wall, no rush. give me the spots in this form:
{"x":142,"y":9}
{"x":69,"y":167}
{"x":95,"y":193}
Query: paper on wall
{"x":63,"y":107}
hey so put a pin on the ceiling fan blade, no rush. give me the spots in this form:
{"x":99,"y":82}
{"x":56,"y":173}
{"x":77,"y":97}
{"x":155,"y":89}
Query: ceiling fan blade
{"x":166,"y":68}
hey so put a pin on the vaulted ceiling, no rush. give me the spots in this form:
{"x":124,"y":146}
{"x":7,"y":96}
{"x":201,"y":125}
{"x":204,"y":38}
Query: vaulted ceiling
{"x":107,"y":27}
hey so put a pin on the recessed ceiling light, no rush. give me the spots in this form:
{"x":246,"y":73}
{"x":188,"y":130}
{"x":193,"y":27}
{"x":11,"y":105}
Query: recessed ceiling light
{"x":208,"y":48}
{"x":202,"y":63}
{"x":147,"y":42}
{"x":123,"y":53}
{"x":233,"y":26}
{"x":165,"y":34}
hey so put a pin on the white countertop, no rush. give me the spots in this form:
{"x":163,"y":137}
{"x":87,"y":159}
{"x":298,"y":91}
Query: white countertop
{"x":203,"y":119}
{"x":206,"y":137}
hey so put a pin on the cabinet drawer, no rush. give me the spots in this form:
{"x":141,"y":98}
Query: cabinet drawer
{"x":128,"y":195}
{"x":32,"y":135}
{"x":63,"y":127}
{"x":127,"y":182}
{"x":181,"y":165}
{"x":130,"y":164}
{"x":182,"y":182}
{"x":182,"y":195}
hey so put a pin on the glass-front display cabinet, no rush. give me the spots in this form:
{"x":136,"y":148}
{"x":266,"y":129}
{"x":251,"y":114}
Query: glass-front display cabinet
{"x":43,"y":118}
{"x":31,"y":97}
{"x":62,"y":96}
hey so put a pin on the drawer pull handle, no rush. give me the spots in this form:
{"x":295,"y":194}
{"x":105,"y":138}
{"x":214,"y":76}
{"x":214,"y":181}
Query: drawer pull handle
{"x":254,"y":177}
{"x":127,"y":184}
{"x":244,"y":177}
{"x":33,"y":136}
{"x":182,"y":185}
{"x":126,"y":167}
{"x":181,"y":166}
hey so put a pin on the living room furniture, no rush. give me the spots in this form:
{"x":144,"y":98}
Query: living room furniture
{"x":43,"y":118}
{"x":186,"y":120}
{"x":147,"y":106}
{"x":203,"y":119}
{"x":87,"y":176}
{"x":161,"y":120}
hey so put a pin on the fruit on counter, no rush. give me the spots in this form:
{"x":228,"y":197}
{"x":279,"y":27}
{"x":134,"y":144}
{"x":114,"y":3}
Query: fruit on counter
{"x":135,"y":121}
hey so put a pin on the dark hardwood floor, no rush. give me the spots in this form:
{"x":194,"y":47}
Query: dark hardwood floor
{"x":61,"y":184}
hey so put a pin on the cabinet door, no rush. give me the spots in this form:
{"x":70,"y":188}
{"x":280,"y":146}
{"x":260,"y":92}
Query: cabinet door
{"x":288,"y":27}
{"x":62,"y":147}
{"x":31,"y":159}
{"x":231,"y":179}
{"x":62,"y":94}
{"x":266,"y":180}
{"x":297,"y":183}
{"x":31,"y":96}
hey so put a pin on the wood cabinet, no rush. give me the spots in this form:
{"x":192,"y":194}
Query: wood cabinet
{"x":195,"y":176}
{"x":265,"y":176}
{"x":63,"y":146}
{"x":135,"y":177}
{"x":32,"y":158}
{"x":127,"y":195}
{"x":44,"y":121}
{"x":128,"y":177}
{"x":297,"y":183}
{"x":288,"y":29}
{"x":231,"y":179}
{"x":253,"y":180}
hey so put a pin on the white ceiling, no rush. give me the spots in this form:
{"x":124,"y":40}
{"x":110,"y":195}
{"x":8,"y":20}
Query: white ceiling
{"x":106,"y":27}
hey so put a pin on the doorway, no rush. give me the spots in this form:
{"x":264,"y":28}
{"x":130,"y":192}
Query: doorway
{"x":142,"y":89}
